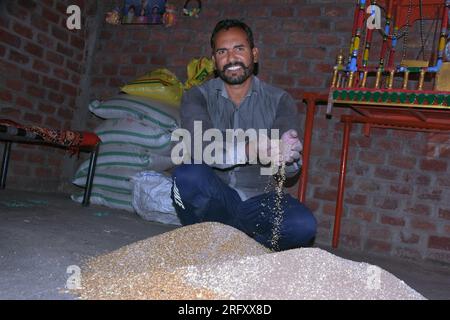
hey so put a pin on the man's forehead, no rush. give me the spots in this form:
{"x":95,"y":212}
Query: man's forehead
{"x":234,"y":36}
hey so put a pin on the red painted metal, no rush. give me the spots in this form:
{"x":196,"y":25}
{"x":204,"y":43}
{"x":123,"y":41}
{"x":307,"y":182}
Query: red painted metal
{"x":341,"y":184}
{"x":311,"y":99}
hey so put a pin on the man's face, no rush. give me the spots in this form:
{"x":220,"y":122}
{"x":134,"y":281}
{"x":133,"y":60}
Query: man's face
{"x":233,"y":56}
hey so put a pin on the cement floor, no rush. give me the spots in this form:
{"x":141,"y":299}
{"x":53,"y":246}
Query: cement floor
{"x":42,"y":234}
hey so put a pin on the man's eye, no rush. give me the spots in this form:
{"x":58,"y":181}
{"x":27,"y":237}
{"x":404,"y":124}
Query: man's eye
{"x":220,"y":52}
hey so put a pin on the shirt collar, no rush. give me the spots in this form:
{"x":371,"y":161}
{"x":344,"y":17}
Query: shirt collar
{"x":254,"y":87}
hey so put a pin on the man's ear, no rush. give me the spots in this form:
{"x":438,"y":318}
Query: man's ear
{"x":255,"y":52}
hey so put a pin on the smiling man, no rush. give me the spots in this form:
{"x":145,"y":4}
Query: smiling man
{"x":233,"y":191}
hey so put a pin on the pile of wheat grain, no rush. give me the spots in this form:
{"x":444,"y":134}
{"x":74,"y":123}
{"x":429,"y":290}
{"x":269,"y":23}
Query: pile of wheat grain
{"x":215,"y":261}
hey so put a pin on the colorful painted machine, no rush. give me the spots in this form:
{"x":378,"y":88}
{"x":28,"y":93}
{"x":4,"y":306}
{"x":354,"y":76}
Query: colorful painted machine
{"x":386,"y":82}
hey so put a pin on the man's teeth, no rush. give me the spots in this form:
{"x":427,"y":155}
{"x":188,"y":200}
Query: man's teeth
{"x":234,"y":68}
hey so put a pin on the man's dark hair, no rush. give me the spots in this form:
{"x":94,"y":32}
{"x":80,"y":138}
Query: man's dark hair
{"x":232,"y":23}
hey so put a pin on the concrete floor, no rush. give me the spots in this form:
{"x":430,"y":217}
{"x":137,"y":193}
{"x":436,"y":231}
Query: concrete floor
{"x":41,"y":235}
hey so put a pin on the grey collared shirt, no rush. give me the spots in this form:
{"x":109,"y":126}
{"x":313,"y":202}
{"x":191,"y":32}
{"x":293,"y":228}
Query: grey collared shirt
{"x":264,"y":107}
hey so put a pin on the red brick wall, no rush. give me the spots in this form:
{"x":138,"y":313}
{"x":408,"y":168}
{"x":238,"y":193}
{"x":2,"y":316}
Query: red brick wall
{"x":396,"y":201}
{"x":397,"y":197}
{"x":41,"y":65}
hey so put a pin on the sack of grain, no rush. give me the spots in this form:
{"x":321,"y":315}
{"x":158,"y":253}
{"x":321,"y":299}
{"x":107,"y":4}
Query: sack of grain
{"x":115,"y":198}
{"x":126,"y":156}
{"x":121,"y":106}
{"x":135,"y":133}
{"x":151,"y":197}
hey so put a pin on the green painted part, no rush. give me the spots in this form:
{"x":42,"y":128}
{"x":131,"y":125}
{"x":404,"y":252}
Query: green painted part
{"x":393,"y":97}
{"x":343,"y":95}
{"x":411,"y":98}
{"x":430,"y":98}
{"x":420,"y":98}
{"x":376,"y":96}
{"x":351,"y":95}
{"x":447,"y":100}
{"x":367,"y":96}
{"x":414,"y":69}
{"x":402,"y":97}
{"x":359,"y":96}
{"x":440,"y":99}
{"x":384,"y":96}
{"x":335,"y":94}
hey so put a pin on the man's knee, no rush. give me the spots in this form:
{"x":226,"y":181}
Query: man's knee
{"x":188,"y":175}
{"x":299,"y":229}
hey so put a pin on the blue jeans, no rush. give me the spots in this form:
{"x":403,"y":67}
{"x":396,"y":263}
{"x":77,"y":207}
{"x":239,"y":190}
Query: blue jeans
{"x":199,"y":195}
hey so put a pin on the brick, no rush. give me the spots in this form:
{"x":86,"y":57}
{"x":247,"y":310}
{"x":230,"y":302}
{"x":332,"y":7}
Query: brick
{"x":60,"y":33}
{"x":116,"y":82}
{"x":351,"y":242}
{"x":74,"y":66}
{"x":283,"y":80}
{"x":53,"y":123}
{"x":379,"y":233}
{"x":386,"y":203}
{"x":372,"y":157}
{"x":36,"y":91}
{"x":299,"y":38}
{"x":9,"y":38}
{"x":408,"y":237}
{"x":64,"y":50}
{"x":404,"y":162}
{"x":127,"y":71}
{"x":2,"y":50}
{"x":356,"y":199}
{"x":20,"y":170}
{"x":315,"y":53}
{"x":41,"y":66}
{"x":282,"y":12}
{"x":339,"y":12}
{"x":14,"y":84}
{"x":362,"y":214}
{"x":39,"y":22}
{"x":419,"y":209}
{"x":328,"y":39}
{"x":286,"y":53}
{"x":65,"y":113}
{"x":36,"y":157}
{"x":441,"y":243}
{"x":309,"y":11}
{"x":56,"y":97}
{"x":50,"y":15}
{"x":22,"y":102}
{"x":154,"y":48}
{"x":160,"y":61}
{"x":110,"y":69}
{"x":5,"y":95}
{"x":325,"y":194}
{"x":46,"y":41}
{"x":378,"y":246}
{"x":401,"y":189}
{"x":35,"y":50}
{"x":61,"y":73}
{"x":310,"y":81}
{"x":30,"y":76}
{"x":444,"y":213}
{"x":138,"y":59}
{"x":77,"y":42}
{"x":23,"y":30}
{"x":386,"y":173}
{"x":423,"y":225}
{"x":18,"y":57}
{"x":54,"y":57}
{"x":43,"y":172}
{"x":51,"y":83}
{"x":433,"y":165}
{"x":429,"y":195}
{"x":33,"y":118}
{"x":68,"y":89}
{"x":46,"y":108}
{"x":394,"y":221}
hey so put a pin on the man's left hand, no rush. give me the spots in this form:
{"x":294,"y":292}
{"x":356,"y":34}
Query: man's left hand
{"x":291,"y":146}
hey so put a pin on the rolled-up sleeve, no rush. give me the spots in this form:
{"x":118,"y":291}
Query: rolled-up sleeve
{"x":287,"y":118}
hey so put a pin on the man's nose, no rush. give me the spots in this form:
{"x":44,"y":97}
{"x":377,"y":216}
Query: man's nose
{"x":231,"y":57}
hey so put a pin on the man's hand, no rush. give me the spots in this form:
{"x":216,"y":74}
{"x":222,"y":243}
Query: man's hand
{"x":291,"y":146}
{"x":264,"y":149}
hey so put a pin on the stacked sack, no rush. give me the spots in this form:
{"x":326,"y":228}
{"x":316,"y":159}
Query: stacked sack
{"x":136,"y":143}
{"x":135,"y":137}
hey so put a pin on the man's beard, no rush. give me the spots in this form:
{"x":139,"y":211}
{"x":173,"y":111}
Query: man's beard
{"x":247,"y":72}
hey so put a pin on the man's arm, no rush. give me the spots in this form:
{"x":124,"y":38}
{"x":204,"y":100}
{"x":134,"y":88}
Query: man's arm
{"x":288,"y":118}
{"x":194,"y":108}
